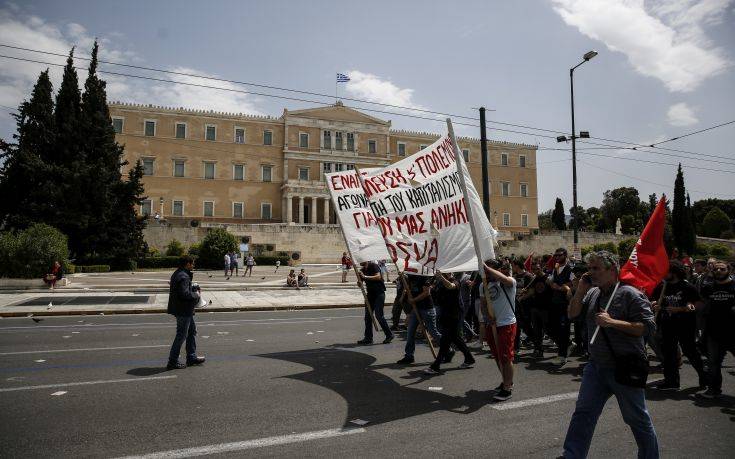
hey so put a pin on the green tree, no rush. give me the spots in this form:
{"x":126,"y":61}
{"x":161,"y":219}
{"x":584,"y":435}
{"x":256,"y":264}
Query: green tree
{"x":702,"y":208}
{"x":580,"y":219}
{"x":681,"y":224}
{"x":619,"y":202}
{"x":214,"y":246}
{"x":715,"y":223}
{"x":175,"y":248}
{"x":26,"y":177}
{"x":652,"y":202}
{"x":558,"y":218}
{"x":544,"y":220}
{"x":126,"y":235}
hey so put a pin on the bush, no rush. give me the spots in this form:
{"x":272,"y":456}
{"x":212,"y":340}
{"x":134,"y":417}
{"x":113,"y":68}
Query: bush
{"x":70,"y":268}
{"x":264,"y":260}
{"x":31,"y":253}
{"x":159,"y":262}
{"x":625,"y":247}
{"x":715,"y":223}
{"x":720,"y":251}
{"x":174,"y":249}
{"x":728,"y":234}
{"x":93,"y":269}
{"x":195,"y":248}
{"x":609,"y":246}
{"x":214,"y":246}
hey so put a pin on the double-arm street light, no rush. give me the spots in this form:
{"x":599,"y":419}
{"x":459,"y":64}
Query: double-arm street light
{"x":582,"y":135}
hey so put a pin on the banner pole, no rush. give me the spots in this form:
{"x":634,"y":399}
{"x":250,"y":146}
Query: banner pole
{"x":354,"y":266}
{"x":403,"y":280}
{"x":470,"y":216}
{"x":597,"y":329}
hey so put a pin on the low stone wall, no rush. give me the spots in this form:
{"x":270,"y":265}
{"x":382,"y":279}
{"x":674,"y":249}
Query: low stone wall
{"x":548,"y":241}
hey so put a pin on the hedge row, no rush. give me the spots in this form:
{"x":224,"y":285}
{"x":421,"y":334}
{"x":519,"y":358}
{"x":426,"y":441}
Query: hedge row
{"x":158,"y":262}
{"x":92,"y":269}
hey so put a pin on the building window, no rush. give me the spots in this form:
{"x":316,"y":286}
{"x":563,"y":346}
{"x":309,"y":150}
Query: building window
{"x":524,"y":190}
{"x":506,"y":219}
{"x":117,"y":125}
{"x":210,"y":133}
{"x":350,"y":167}
{"x":239,"y":135}
{"x":178,"y":208}
{"x":265,"y":210}
{"x":350,"y":141}
{"x":266,"y":173}
{"x":150,"y":128}
{"x":303,"y":140}
{"x":179,"y":168}
{"x":401,"y":149}
{"x":147,"y":166}
{"x":145,"y":207}
{"x":466,"y":155}
{"x":328,"y":140}
{"x":303,"y":173}
{"x":327,"y":168}
{"x":339,"y":167}
{"x":180,"y":130}
{"x":504,"y":159}
{"x":338,"y":141}
{"x":237,"y":209}
{"x":522,"y":161}
{"x":238,"y":172}
{"x":267,"y":137}
{"x":505,"y":188}
{"x":372,"y":146}
{"x":209,"y":208}
{"x":524,"y":220}
{"x":209,"y":171}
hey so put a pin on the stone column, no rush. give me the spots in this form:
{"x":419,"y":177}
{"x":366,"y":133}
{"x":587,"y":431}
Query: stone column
{"x":326,"y":211}
{"x":313,"y":210}
{"x":301,"y":209}
{"x":289,"y":209}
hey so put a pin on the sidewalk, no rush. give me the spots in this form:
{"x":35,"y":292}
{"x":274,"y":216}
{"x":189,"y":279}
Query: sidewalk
{"x":106,"y":302}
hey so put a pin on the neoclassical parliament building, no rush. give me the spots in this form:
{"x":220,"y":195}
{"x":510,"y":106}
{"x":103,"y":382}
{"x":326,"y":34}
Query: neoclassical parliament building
{"x":210,"y":167}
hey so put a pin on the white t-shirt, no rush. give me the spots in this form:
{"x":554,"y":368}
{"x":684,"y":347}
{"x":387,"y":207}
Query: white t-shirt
{"x":503,"y":309}
{"x":227,"y":259}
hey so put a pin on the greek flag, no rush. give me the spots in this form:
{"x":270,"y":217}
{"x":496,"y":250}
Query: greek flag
{"x":342,"y":78}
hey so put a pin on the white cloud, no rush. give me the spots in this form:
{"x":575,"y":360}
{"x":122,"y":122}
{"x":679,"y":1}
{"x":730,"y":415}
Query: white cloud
{"x":375,"y":89}
{"x":664,"y":39}
{"x":17,"y":77}
{"x":681,"y":115}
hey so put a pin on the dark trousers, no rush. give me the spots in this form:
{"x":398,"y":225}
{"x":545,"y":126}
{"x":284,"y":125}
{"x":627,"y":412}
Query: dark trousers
{"x":539,"y":324}
{"x":396,"y":311}
{"x":675,"y":332}
{"x":562,"y":326}
{"x":717,"y":347}
{"x":377,"y":302}
{"x":186,"y":330}
{"x":450,"y":335}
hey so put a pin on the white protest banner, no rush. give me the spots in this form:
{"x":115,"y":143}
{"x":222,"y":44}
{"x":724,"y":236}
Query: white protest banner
{"x":421,"y":212}
{"x":359,"y":225}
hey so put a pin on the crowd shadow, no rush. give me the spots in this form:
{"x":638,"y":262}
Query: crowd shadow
{"x":371,"y":395}
{"x":147,"y":371}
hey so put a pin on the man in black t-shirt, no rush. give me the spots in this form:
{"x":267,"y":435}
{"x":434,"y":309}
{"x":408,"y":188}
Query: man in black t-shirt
{"x":560,"y":282}
{"x":523,"y":308}
{"x":419,"y":288}
{"x":538,"y":296}
{"x":676,"y":318}
{"x":370,"y":274}
{"x":718,"y":307}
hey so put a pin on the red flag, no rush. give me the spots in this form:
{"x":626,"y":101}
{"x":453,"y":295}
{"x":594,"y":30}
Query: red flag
{"x":649,"y":262}
{"x":551,"y":263}
{"x":527,"y":263}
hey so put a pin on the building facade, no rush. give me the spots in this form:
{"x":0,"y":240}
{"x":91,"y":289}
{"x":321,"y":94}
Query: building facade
{"x":204,"y":166}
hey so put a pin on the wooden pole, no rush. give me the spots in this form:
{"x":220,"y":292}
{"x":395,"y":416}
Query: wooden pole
{"x":354,"y":266}
{"x":609,"y":302}
{"x":470,"y":216}
{"x":405,"y":284}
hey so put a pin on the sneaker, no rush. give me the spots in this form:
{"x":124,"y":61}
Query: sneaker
{"x":710,"y":393}
{"x":175,"y":366}
{"x":388,"y":339}
{"x":502,"y":395}
{"x":365,"y":341}
{"x":666,"y":386}
{"x":432,"y":371}
{"x":468,"y":364}
{"x":405,"y":361}
{"x":195,"y":361}
{"x":499,"y":388}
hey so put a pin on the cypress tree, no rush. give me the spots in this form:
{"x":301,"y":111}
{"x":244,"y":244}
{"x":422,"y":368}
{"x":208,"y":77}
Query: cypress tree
{"x":26,"y":186}
{"x":652,"y":203}
{"x":680,"y":221}
{"x":691,"y":228}
{"x":558,"y":218}
{"x":126,"y":235}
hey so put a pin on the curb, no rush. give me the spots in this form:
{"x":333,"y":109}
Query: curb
{"x":163,"y":310}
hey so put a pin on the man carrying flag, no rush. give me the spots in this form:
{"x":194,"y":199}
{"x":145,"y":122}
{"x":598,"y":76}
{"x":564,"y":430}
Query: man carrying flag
{"x":618,"y":362}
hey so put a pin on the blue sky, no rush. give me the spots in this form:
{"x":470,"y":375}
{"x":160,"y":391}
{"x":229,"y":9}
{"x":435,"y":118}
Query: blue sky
{"x":664,"y":68}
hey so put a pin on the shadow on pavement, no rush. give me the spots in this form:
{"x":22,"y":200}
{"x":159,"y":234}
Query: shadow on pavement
{"x":147,"y":371}
{"x":370,"y":395}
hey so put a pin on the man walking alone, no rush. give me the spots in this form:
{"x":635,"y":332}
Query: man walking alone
{"x":182,"y":300}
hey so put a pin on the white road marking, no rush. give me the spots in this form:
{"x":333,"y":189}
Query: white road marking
{"x":61,"y":392}
{"x":248,"y":444}
{"x":39,"y":361}
{"x":84,"y":383}
{"x":359,"y":422}
{"x":43,"y":351}
{"x":435,"y":388}
{"x":534,"y":401}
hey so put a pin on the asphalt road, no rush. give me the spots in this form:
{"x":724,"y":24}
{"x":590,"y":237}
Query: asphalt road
{"x":290,"y":384}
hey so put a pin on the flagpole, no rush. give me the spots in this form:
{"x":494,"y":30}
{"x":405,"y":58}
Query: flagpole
{"x":470,"y":216}
{"x":597,"y":329}
{"x":354,"y":266}
{"x":402,"y":276}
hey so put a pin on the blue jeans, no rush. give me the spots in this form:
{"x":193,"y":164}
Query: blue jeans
{"x":186,"y":329}
{"x":377,"y":302}
{"x":429,"y":318}
{"x":598,"y":384}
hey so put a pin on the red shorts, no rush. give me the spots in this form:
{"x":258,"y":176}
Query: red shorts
{"x":506,"y":339}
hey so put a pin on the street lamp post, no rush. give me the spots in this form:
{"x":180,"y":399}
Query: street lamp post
{"x":583,"y":134}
